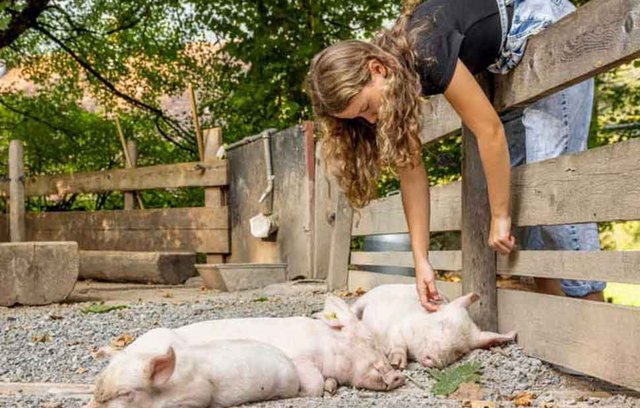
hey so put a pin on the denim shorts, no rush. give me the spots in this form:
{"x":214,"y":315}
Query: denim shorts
{"x":554,"y":125}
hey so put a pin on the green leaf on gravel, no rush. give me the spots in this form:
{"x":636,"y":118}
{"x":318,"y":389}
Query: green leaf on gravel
{"x":448,"y":379}
{"x":261,"y":299}
{"x":102,"y":308}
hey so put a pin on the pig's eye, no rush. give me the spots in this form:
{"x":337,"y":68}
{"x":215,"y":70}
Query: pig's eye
{"x":126,"y":395}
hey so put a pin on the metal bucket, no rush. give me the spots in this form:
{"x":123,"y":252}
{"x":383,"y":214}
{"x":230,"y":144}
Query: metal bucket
{"x":388,"y":242}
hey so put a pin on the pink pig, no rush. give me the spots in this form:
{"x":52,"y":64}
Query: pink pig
{"x":159,"y":370}
{"x":405,"y":329}
{"x":335,"y":347}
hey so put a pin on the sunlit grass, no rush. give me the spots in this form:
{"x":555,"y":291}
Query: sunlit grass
{"x":621,"y":236}
{"x":623,"y":294}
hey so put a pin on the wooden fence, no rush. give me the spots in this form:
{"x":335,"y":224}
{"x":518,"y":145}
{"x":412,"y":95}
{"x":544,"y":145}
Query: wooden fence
{"x":201,"y":229}
{"x":601,"y":184}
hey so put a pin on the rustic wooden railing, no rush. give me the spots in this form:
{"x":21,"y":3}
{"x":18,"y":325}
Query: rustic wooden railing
{"x":602,"y":184}
{"x":204,"y":229}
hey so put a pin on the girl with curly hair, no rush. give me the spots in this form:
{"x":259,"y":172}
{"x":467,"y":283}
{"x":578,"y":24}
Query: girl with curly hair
{"x":366,"y":98}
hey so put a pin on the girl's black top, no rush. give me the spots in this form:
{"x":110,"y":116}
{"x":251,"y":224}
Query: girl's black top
{"x":468,"y":30}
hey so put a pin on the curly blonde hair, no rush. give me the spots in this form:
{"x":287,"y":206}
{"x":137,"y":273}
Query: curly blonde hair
{"x":355,"y":151}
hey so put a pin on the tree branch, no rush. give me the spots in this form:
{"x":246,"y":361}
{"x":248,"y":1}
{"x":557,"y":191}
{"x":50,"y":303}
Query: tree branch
{"x":22,"y":21}
{"x":111,"y":87}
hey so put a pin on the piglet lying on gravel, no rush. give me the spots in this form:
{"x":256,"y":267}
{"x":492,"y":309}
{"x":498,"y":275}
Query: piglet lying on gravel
{"x":336,"y":346}
{"x":405,"y":329}
{"x":159,"y":370}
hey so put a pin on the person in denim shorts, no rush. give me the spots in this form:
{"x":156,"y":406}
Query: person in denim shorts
{"x":366,"y":98}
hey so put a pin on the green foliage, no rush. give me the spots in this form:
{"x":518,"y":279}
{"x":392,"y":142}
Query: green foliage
{"x":247,"y":61}
{"x":450,"y":378}
{"x":102,"y":308}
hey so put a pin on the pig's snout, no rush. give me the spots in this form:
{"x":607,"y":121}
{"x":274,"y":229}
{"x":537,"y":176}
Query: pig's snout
{"x":393,"y":379}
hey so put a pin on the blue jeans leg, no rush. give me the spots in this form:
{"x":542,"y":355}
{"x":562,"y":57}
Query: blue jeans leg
{"x":555,"y":125}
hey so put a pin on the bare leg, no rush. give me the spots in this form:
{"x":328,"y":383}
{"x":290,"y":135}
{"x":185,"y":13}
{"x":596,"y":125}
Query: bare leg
{"x":552,"y":287}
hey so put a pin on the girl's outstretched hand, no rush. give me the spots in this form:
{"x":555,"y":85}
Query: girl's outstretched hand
{"x":500,"y":237}
{"x":426,"y":287}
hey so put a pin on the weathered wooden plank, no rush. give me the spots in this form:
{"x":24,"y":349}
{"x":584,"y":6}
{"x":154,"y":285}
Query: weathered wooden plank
{"x":37,"y":273}
{"x":369,"y":280}
{"x":596,"y":338}
{"x":598,"y":36}
{"x":612,"y":266}
{"x":170,"y":268}
{"x":200,"y":240}
{"x":152,"y":219}
{"x":167,"y":229}
{"x":438,"y":119}
{"x":478,"y":259}
{"x":194,"y":174}
{"x":16,"y":188}
{"x":324,"y":216}
{"x":214,"y":197}
{"x":440,"y":260}
{"x":601,"y":184}
{"x":386,"y":216}
{"x":340,"y":247}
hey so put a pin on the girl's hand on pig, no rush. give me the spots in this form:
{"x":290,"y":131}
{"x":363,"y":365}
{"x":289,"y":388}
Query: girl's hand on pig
{"x":426,"y":287}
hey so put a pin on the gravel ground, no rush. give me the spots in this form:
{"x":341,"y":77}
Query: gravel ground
{"x":54,"y":344}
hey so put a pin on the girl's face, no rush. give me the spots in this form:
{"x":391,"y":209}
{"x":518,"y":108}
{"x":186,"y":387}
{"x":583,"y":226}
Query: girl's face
{"x":368,"y":101}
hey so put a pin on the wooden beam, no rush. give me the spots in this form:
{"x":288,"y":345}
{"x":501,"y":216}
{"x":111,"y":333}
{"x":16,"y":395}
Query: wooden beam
{"x":196,"y":122}
{"x":193,"y":174}
{"x":16,"y":188}
{"x":596,"y":338}
{"x":324,"y":216}
{"x":438,"y":119}
{"x":170,"y":268}
{"x":386,"y":216}
{"x":440,"y":260}
{"x":168,"y":229}
{"x":601,"y":184}
{"x":214,"y":197}
{"x":595,"y":38}
{"x":340,"y":247}
{"x":151,"y":219}
{"x":478,"y":259}
{"x":612,"y":266}
{"x":130,"y":196}
{"x":368,"y":280}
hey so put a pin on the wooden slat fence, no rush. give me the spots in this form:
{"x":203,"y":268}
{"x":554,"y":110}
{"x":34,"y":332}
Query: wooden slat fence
{"x":601,"y":184}
{"x":204,"y":229}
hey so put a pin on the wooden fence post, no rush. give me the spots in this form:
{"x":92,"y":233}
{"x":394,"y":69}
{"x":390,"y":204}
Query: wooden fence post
{"x":213,"y":197}
{"x":478,"y":259}
{"x":16,"y":191}
{"x":129,"y":197}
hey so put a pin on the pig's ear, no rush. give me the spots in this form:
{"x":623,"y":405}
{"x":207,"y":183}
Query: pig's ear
{"x":105,"y":353}
{"x":336,"y":313}
{"x":161,"y":367}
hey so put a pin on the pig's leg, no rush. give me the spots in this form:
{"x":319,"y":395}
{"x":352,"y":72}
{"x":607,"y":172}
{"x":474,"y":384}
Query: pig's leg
{"x":487,"y":339}
{"x":398,"y":357}
{"x":396,"y":347}
{"x":311,"y":379}
{"x":466,"y":300}
{"x":330,"y":386}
